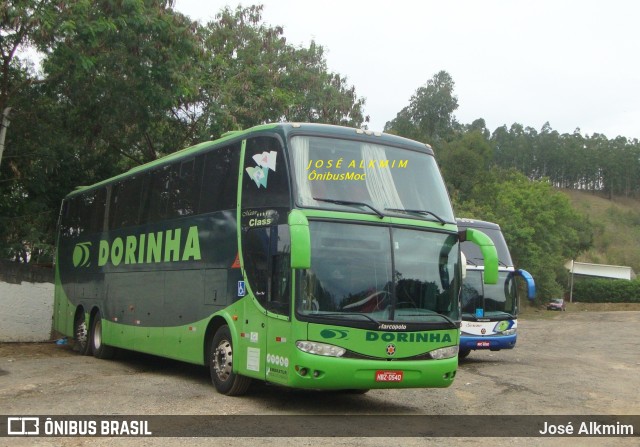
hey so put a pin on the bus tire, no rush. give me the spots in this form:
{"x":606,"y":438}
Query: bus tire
{"x":221,"y":365}
{"x":463,"y":353}
{"x":81,"y":335}
{"x":99,"y":349}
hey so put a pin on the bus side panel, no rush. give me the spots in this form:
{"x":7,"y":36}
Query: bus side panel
{"x":280,"y":348}
{"x":63,"y":310}
{"x":252,"y":341}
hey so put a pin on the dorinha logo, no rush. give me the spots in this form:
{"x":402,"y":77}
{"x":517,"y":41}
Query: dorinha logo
{"x":412,"y":337}
{"x":81,"y":254}
{"x":260,"y":174}
{"x":147,"y":248}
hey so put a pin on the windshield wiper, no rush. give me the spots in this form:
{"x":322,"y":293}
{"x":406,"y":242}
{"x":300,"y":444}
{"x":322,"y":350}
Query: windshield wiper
{"x":499,"y":262}
{"x":423,"y":212}
{"x":424,"y":312}
{"x":349,"y":202}
{"x":348,"y":314}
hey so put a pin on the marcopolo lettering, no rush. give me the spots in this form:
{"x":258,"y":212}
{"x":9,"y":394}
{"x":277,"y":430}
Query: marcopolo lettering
{"x":411,"y":337}
{"x":151,"y":248}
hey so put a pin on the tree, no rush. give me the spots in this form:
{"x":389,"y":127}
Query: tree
{"x":465,"y":161}
{"x":429,"y":116}
{"x":539,"y":224}
{"x":255,"y":77}
{"x":125,"y":82}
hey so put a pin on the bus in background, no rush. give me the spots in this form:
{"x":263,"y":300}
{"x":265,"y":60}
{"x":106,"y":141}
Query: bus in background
{"x":304,"y":255}
{"x":489,"y":312}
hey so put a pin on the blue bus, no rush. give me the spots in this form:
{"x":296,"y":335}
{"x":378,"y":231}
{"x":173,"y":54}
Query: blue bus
{"x":489,"y":311}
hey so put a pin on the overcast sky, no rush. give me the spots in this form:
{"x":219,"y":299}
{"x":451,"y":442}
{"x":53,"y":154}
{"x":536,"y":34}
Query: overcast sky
{"x":575,"y":64}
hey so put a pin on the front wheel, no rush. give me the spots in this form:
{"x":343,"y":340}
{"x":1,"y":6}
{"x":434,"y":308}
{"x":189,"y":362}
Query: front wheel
{"x":463,"y":353}
{"x":221,"y":365}
{"x":99,"y":349}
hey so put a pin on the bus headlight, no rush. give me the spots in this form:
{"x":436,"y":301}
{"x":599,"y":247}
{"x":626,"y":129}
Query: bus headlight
{"x":509,"y":331}
{"x":313,"y":347}
{"x":444,"y":353}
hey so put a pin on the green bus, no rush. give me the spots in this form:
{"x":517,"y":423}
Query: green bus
{"x":303,"y":255}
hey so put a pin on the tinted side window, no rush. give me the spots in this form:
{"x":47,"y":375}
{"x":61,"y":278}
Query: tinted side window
{"x":125,"y":203}
{"x":266,"y":253}
{"x":220,"y":179}
{"x":69,"y":221}
{"x":93,"y":205}
{"x":157,"y":198}
{"x":265,"y":182}
{"x":184,"y":188}
{"x":83,"y":213}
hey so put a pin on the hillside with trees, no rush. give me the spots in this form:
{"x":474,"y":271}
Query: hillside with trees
{"x":512,"y":177}
{"x":119,"y":84}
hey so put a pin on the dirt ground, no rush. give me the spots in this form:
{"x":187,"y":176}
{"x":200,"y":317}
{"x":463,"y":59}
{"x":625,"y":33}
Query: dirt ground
{"x":579,"y":362}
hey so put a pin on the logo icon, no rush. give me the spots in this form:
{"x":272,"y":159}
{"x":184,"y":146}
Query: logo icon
{"x":265,"y":161}
{"x":81,"y":254}
{"x":334,"y":333}
{"x":23,"y":426}
{"x":503,"y":326}
{"x":391,"y":349}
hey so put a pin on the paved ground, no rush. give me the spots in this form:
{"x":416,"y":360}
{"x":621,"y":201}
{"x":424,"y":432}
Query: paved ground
{"x":574,"y":363}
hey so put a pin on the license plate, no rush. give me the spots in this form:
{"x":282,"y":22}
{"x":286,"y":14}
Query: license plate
{"x":483,"y":344}
{"x":389,"y":376}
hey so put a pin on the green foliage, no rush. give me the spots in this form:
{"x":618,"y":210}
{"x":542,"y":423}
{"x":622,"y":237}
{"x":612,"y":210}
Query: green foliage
{"x":124,"y":82}
{"x":589,"y":290}
{"x":539,"y":224}
{"x":429,"y":115}
{"x":592,"y":163}
{"x":616,"y":228}
{"x":255,"y":77}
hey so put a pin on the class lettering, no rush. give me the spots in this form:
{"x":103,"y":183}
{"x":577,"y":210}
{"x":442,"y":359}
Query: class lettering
{"x":260,"y":222}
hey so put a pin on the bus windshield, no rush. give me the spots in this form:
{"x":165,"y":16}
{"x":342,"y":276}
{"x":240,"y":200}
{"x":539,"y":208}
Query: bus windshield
{"x":473,"y":253}
{"x":368,"y":178}
{"x":380,"y":274}
{"x":494,"y":301}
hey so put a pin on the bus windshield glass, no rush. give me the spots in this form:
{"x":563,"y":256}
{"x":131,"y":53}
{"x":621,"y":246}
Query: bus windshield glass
{"x":368,"y":178}
{"x":380,"y":274}
{"x":494,"y":301}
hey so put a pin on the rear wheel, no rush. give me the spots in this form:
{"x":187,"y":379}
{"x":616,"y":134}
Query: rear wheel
{"x":81,"y":334}
{"x":99,"y":349}
{"x":221,"y":365}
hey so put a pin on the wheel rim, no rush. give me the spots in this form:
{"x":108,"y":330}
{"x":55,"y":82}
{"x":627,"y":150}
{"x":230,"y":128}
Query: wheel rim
{"x":97,"y":335}
{"x":223,"y":360}
{"x":82,"y":334}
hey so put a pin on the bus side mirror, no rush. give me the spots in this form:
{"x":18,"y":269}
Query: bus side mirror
{"x":531,"y":285}
{"x":488,"y":250}
{"x":300,"y":240}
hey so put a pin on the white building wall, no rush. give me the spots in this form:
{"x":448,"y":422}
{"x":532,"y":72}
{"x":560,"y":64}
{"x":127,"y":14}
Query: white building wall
{"x":26,"y":310}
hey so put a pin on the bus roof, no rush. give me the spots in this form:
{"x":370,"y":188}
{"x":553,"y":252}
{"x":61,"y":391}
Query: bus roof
{"x":473,"y":223}
{"x":284,"y":129}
